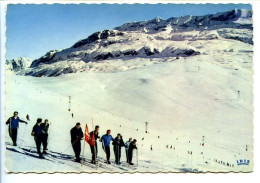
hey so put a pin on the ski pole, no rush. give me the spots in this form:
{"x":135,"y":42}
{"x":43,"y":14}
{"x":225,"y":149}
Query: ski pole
{"x":10,"y":128}
{"x":137,"y":157}
{"x":49,"y":134}
{"x":84,"y":145}
{"x":23,"y":134}
{"x":127,"y":158}
{"x":118,"y":154}
{"x":69,"y":146}
{"x":95,"y":151}
{"x":104,"y":148}
{"x":83,"y":152}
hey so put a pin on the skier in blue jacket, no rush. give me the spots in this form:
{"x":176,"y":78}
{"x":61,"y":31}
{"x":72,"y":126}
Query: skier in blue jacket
{"x":127,"y":144}
{"x":106,"y":140}
{"x":13,"y":123}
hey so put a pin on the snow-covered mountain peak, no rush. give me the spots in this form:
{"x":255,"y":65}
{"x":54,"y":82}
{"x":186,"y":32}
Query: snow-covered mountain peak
{"x":233,"y":15}
{"x":154,"y":39}
{"x":212,"y":21}
{"x":156,"y":20}
{"x":18,"y":64}
{"x":244,"y":17}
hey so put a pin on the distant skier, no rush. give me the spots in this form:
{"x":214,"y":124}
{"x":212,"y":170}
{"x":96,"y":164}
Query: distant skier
{"x":132,"y":146}
{"x":151,"y":148}
{"x":76,"y":135}
{"x":94,"y":149}
{"x":45,"y":128}
{"x":28,"y":117}
{"x":106,"y":139}
{"x":127,"y":144}
{"x":72,"y":115}
{"x":118,"y":143}
{"x":37,"y":133}
{"x":13,"y":126}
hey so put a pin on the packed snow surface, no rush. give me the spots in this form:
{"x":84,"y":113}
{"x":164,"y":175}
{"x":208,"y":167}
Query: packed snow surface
{"x":182,"y":101}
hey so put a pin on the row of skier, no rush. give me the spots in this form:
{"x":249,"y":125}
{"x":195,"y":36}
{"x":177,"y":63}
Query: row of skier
{"x":40,"y":133}
{"x":117,"y":142}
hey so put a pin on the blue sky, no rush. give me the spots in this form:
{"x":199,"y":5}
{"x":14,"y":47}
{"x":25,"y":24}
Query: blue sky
{"x":33,"y":30}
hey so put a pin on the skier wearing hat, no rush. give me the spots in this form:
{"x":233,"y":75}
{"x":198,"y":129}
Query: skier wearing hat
{"x":106,"y":139}
{"x":118,"y":143}
{"x":76,"y":135}
{"x":13,"y":123}
{"x":37,"y":133}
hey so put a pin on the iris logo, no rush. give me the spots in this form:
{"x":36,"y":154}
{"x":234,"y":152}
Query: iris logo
{"x":243,"y":162}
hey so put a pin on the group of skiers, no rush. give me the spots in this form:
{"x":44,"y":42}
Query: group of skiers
{"x":40,"y":133}
{"x":77,"y":135}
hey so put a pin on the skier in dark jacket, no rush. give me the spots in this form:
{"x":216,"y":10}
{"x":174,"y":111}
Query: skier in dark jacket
{"x":37,"y":133}
{"x":94,"y":149}
{"x":13,"y":126}
{"x":76,"y":135}
{"x":132,"y":146}
{"x":118,"y":143}
{"x":45,"y":128}
{"x":106,"y":139}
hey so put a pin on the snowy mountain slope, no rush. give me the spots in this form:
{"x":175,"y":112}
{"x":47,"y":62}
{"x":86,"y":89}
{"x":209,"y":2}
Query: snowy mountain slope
{"x":147,"y":41}
{"x":232,"y":19}
{"x":244,"y":35}
{"x":163,"y":48}
{"x":182,"y":101}
{"x":18,"y":64}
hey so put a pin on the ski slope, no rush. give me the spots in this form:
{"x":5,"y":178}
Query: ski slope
{"x":182,"y":100}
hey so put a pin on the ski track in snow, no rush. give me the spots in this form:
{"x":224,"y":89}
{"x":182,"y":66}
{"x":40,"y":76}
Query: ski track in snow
{"x":69,"y":160}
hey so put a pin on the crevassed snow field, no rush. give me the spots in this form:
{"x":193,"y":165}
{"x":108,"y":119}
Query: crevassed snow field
{"x":182,"y":100}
